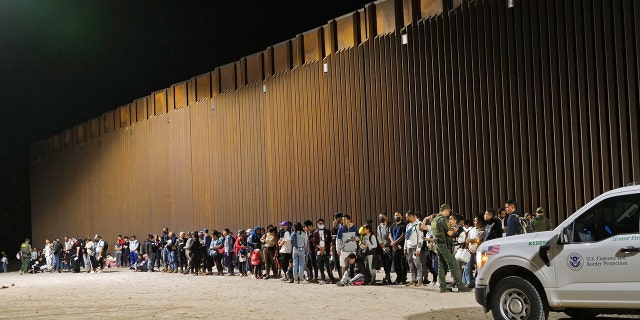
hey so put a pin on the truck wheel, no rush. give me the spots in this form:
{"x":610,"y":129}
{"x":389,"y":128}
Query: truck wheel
{"x":515,"y":298}
{"x":581,"y":313}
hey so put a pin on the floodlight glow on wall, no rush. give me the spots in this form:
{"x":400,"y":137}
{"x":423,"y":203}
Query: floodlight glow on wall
{"x":325,"y":67}
{"x":405,"y":39}
{"x":264,"y":88}
{"x":510,"y":3}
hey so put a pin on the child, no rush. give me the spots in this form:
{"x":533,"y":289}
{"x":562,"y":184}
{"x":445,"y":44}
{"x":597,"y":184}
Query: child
{"x":354,"y":271}
{"x":255,"y":263}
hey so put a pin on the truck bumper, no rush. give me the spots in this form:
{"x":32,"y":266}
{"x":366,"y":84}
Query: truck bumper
{"x":481,"y":296}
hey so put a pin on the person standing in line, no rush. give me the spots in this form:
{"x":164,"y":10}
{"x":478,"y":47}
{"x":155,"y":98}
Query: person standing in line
{"x":285,"y":248}
{"x":446,"y":261}
{"x":384,"y":240}
{"x":493,"y":226}
{"x":47,"y":250}
{"x":134,"y":245}
{"x":117,"y":248}
{"x":126,"y":251}
{"x":311,"y":263}
{"x":346,"y":241}
{"x":513,"y":219}
{"x":25,"y":255}
{"x":322,"y":241}
{"x":299,"y":243}
{"x":369,"y":247}
{"x":58,"y":255}
{"x":397,"y":242}
{"x":101,"y":252}
{"x":229,"y":249}
{"x":413,"y":245}
{"x":337,"y":224}
{"x":474,"y":239}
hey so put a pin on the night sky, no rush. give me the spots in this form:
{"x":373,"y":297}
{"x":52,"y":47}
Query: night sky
{"x":65,"y":62}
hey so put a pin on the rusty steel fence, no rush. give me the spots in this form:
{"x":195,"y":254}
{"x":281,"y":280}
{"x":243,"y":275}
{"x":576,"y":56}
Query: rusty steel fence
{"x":401,"y":105}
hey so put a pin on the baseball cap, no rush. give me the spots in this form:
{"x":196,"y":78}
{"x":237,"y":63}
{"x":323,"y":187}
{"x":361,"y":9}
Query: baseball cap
{"x":445,"y":206}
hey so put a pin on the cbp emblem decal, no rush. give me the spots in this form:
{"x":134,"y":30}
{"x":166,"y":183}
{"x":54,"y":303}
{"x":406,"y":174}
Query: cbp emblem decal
{"x":575,"y":261}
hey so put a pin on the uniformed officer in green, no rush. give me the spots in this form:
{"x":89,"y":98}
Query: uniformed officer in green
{"x":540,"y":222}
{"x":442,"y":232}
{"x":25,"y":252}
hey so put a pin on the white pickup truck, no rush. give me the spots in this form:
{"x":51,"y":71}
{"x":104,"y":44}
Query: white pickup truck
{"x":588,"y":265}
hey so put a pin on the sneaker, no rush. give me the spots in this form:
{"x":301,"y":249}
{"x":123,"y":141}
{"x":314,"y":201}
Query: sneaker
{"x":411,"y":284}
{"x":321,"y":282}
{"x":340,"y":284}
{"x":419,"y":283}
{"x":445,"y":290}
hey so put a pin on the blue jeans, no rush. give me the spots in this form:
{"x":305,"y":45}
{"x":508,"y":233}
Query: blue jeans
{"x":133,"y":257}
{"x":298,"y":263}
{"x":467,"y":273}
{"x":172,"y":260}
{"x":57,"y":263}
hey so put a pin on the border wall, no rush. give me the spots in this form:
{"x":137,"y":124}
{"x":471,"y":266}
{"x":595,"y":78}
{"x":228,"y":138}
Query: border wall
{"x":400,"y":105}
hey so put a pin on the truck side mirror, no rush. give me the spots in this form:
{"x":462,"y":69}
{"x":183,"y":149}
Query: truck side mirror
{"x":543,"y":251}
{"x":566,"y":235}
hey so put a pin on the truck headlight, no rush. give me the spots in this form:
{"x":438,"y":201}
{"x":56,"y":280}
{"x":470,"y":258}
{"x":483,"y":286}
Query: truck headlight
{"x":481,"y":259}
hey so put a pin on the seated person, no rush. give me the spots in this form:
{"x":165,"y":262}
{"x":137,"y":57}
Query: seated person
{"x":354,"y":272}
{"x":110,"y":261}
{"x":141,"y":264}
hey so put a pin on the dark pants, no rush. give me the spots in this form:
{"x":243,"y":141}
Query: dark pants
{"x":324,"y":263}
{"x":312,"y":266}
{"x":268,"y":254}
{"x":217,"y":258}
{"x":194,"y":263}
{"x":229,"y":260}
{"x":208,"y":262}
{"x":336,"y":261}
{"x":399,"y":265}
{"x":155,"y":260}
{"x":386,"y":259}
{"x":284,"y":262}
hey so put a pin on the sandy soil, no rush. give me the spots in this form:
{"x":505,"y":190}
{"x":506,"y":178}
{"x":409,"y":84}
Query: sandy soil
{"x":121,"y":293}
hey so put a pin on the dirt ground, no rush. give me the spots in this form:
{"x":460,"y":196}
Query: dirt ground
{"x":122,"y":293}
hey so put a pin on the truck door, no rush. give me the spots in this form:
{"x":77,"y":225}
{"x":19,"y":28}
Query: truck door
{"x":598,"y":266}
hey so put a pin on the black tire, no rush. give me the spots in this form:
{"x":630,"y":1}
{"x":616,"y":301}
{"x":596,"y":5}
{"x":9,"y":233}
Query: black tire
{"x":581,"y":313}
{"x":515,"y":298}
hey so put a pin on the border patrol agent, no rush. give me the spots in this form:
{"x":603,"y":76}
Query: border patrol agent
{"x":442,"y":233}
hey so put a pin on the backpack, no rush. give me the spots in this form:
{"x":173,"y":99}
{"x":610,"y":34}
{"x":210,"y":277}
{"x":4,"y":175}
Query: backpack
{"x":105,"y":248}
{"x":255,"y":257}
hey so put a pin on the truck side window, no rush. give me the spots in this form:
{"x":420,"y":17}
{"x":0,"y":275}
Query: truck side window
{"x":611,"y":217}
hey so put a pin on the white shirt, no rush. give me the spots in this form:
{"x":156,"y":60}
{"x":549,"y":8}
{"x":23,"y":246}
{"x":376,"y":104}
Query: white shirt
{"x":99,"y":247}
{"x":133,"y":245}
{"x":286,"y":245}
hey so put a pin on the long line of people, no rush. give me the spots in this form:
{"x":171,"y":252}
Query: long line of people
{"x":343,"y":253}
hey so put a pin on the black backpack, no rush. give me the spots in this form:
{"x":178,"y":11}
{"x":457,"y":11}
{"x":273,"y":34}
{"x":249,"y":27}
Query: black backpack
{"x":105,"y":248}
